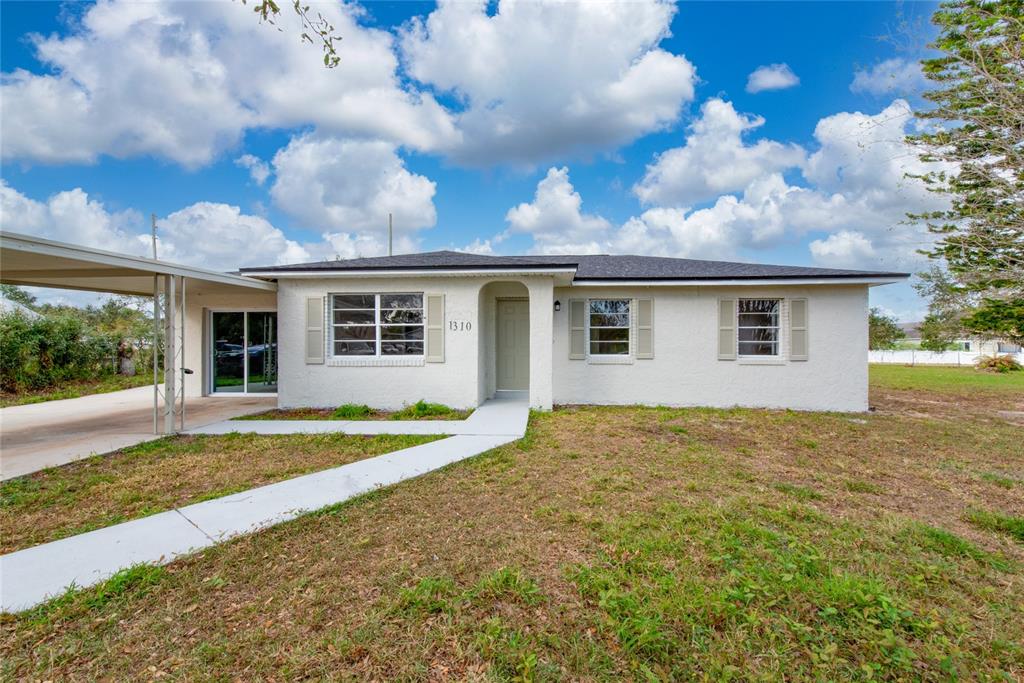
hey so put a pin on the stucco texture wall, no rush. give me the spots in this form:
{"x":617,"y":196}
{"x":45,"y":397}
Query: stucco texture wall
{"x":686,"y":371}
{"x":461,"y":381}
{"x":196,"y":346}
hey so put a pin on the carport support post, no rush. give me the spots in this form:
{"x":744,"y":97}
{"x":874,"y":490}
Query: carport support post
{"x":156,"y":354}
{"x":170,"y":354}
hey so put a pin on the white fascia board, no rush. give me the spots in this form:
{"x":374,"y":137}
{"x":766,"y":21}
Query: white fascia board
{"x":766,"y":282}
{"x":37,"y":245}
{"x":426,"y":273}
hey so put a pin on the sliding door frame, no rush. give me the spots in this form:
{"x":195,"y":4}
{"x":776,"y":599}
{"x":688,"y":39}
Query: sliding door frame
{"x":211,"y":345}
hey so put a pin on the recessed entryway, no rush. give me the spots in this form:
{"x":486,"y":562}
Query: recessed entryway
{"x":512,"y":355}
{"x":243,"y":352}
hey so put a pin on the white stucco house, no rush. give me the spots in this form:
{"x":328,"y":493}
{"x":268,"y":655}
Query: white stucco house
{"x":459,"y":328}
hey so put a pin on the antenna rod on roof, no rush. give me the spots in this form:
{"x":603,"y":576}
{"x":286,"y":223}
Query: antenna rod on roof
{"x":152,"y":219}
{"x":390,"y":232}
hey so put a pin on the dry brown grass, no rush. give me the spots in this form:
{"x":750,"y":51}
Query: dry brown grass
{"x":610,"y":543}
{"x":164,"y":474}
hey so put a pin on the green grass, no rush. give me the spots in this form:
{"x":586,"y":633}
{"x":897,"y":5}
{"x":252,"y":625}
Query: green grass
{"x":1010,"y":525}
{"x":944,"y":379}
{"x":421,"y":410}
{"x":611,"y":544}
{"x":158,"y":475}
{"x":77,"y":389}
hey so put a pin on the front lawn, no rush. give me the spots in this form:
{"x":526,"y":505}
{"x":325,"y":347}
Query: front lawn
{"x":167,"y":473}
{"x":945,"y":379}
{"x":609,"y":544}
{"x":76,"y":389}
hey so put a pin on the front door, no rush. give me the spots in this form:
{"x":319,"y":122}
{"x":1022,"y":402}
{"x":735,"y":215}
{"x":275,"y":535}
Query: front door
{"x":513,"y":345}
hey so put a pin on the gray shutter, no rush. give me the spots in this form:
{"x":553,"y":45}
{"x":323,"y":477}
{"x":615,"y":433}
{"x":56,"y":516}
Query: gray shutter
{"x":645,"y":328}
{"x":314,"y":330}
{"x":577,"y":329}
{"x":727,"y":329}
{"x":798,"y":340}
{"x":435,"y":328}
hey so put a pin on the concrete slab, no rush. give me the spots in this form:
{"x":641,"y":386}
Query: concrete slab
{"x":28,"y":577}
{"x":41,"y":435}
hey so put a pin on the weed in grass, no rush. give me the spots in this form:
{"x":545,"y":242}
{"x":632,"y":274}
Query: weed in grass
{"x":994,"y":521}
{"x":350,"y":411}
{"x":950,"y":545}
{"x":798,"y":492}
{"x":422,"y":409}
{"x":999,"y":480}
{"x":509,"y":584}
{"x":857,"y":486}
{"x":430,"y":595}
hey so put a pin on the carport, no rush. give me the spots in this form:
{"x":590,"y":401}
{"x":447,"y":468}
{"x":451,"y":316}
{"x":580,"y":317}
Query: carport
{"x":36,"y":262}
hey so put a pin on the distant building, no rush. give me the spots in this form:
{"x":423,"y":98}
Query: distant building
{"x":973,"y":344}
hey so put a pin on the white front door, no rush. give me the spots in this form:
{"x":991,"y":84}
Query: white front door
{"x":513,"y":345}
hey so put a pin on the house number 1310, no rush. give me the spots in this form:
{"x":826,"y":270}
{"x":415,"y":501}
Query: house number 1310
{"x":460,"y":325}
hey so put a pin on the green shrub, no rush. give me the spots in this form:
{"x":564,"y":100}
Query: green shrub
{"x":41,"y":352}
{"x":996,"y":363}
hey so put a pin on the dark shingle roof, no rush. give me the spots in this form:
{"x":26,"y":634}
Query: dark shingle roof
{"x":588,"y":267}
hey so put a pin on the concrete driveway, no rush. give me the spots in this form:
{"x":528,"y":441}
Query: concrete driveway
{"x":42,"y":435}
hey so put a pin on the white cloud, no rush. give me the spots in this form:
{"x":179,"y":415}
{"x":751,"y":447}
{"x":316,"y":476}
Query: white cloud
{"x":184,"y":81}
{"x":258,"y":169}
{"x":843,"y":249}
{"x":771,"y":77}
{"x":714,"y":159}
{"x":890,"y":77}
{"x":217,"y":236}
{"x":853,"y":205}
{"x":351,"y":185}
{"x":541,"y":79}
{"x":554,"y":218}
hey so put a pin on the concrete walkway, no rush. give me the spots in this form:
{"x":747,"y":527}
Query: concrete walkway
{"x":28,"y":577}
{"x":40,"y":435}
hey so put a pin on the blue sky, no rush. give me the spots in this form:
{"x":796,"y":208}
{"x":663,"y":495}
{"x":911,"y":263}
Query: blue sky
{"x":499,"y":128}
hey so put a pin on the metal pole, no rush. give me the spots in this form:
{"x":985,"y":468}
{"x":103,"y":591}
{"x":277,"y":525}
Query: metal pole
{"x":152,"y":220}
{"x":170,"y":353}
{"x":156,"y":353}
{"x":181,"y":350}
{"x":390,"y":232}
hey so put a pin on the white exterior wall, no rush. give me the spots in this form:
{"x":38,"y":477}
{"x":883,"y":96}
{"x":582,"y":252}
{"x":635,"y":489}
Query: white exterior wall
{"x":685,"y":370}
{"x":463,"y":380}
{"x":197,"y":307}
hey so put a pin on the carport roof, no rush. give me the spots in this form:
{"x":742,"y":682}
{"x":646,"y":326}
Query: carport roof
{"x":36,"y":262}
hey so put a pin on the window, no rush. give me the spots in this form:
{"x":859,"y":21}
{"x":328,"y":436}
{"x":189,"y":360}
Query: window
{"x":609,"y":327}
{"x":758,"y":327}
{"x":377,"y":324}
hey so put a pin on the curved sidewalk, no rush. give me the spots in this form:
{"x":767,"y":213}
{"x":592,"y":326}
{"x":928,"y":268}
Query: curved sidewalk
{"x":29,"y":577}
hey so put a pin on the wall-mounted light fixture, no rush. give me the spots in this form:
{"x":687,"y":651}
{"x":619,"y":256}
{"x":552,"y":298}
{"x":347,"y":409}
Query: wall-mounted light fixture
{"x":558,"y":306}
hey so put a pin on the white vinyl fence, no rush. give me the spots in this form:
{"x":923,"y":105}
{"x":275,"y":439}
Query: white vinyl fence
{"x":919,"y":357}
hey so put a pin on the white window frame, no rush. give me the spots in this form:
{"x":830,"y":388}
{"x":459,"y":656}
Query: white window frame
{"x":629,"y":328}
{"x":377,"y":325}
{"x":778,"y":329}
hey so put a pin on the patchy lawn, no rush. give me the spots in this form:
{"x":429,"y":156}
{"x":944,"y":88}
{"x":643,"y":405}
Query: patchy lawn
{"x":167,"y":473}
{"x":76,"y":389}
{"x":610,"y":543}
{"x":421,"y":410}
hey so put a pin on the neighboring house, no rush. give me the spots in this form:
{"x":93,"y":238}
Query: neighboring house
{"x":459,"y":328}
{"x":8,"y":306}
{"x":971,"y":344}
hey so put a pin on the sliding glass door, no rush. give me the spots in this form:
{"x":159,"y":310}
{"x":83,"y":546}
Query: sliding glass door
{"x":244,"y":352}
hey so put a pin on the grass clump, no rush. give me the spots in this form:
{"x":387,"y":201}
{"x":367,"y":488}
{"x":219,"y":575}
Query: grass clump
{"x":858,"y":486}
{"x":798,"y":492}
{"x":422,"y":410}
{"x":997,"y":363}
{"x":1010,"y":525}
{"x":351,"y":411}
{"x":950,"y":545}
